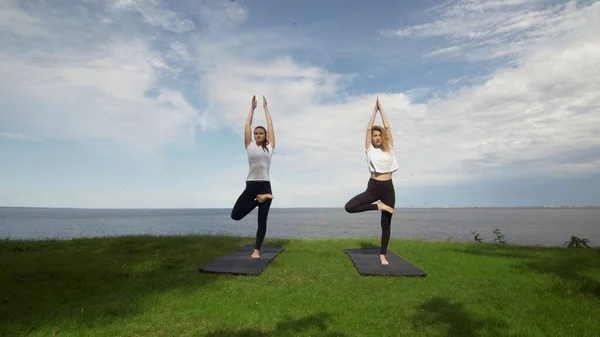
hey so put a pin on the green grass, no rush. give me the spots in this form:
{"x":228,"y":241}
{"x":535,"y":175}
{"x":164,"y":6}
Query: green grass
{"x":150,"y":286}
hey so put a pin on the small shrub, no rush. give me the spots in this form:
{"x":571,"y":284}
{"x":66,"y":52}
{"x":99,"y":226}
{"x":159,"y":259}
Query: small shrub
{"x":499,"y":236}
{"x":476,"y":236}
{"x":576,"y":242}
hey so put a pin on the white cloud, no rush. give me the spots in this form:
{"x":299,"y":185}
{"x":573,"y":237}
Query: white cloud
{"x":455,"y":80}
{"x":17,"y":136}
{"x":444,"y":51}
{"x":99,"y":94}
{"x":215,"y":16}
{"x":154,"y":13}
{"x":538,"y":115}
{"x":521,"y":121}
{"x":180,"y":51}
{"x":491,"y":29}
{"x":526,"y":118}
{"x":107,"y":85}
{"x":16,"y":21}
{"x":221,"y":15}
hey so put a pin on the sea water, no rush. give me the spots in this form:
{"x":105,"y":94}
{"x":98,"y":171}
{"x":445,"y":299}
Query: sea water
{"x":525,"y":226}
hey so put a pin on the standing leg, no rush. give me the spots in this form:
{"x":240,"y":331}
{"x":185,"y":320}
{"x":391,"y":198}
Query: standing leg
{"x":245,"y":203}
{"x":261,"y":231}
{"x":263,"y":213}
{"x":388,"y":197}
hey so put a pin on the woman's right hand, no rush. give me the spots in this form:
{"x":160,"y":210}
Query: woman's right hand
{"x":254,"y":104}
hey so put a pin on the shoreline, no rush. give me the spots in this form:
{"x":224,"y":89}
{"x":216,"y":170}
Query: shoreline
{"x":452,"y":241}
{"x":290,"y":208}
{"x":545,"y":227}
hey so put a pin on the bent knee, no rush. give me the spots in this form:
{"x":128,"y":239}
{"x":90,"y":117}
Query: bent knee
{"x":349,"y":208}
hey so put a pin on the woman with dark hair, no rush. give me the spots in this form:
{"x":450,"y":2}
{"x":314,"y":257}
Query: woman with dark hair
{"x":258,"y":185}
{"x":380,"y":188}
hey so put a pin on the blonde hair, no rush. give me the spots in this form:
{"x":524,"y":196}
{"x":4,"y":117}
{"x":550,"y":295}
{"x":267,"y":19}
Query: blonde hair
{"x":385,"y":144}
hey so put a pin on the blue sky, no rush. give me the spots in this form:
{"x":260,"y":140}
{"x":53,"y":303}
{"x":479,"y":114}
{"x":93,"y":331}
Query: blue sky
{"x":142,"y":103}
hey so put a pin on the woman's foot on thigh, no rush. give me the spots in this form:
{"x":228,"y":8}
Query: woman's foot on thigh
{"x":383,"y":207}
{"x":262,"y":197}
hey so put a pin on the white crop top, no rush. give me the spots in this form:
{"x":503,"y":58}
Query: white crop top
{"x":380,"y":161}
{"x":259,"y":161}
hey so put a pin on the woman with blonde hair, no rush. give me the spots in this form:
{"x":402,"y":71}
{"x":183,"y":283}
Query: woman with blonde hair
{"x":380,"y":193}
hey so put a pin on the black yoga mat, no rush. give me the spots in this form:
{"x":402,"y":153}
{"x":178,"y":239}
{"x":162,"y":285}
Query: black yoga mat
{"x":240,"y":262}
{"x":366,"y":261}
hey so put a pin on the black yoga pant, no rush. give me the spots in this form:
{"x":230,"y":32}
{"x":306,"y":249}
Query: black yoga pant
{"x":247,"y":202}
{"x":376,"y":190}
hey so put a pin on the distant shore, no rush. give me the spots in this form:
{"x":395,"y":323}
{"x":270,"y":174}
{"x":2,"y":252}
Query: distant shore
{"x":294,"y":208}
{"x":522,"y":225}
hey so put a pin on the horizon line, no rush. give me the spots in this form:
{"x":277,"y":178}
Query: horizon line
{"x":338,"y":207}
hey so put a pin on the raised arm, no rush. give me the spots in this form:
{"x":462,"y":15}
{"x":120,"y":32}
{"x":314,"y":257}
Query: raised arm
{"x":370,"y":129}
{"x":386,"y":124}
{"x":247,"y":127}
{"x":270,"y":130}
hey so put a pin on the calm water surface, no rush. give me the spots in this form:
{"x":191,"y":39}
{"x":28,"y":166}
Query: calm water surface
{"x":531,"y":226}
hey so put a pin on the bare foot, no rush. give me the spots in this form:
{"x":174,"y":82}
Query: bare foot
{"x":262,"y":197}
{"x":384,"y":207}
{"x":255,"y":254}
{"x":383,"y":260}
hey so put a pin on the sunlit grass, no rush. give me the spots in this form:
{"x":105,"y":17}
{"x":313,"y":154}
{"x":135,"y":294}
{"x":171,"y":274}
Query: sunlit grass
{"x":150,"y":286}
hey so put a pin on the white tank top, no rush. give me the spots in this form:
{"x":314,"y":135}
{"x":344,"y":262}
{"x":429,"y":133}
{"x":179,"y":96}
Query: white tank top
{"x":380,"y":161}
{"x":259,"y":161}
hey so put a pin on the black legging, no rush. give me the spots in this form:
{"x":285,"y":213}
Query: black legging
{"x":247,"y":202}
{"x":376,"y":190}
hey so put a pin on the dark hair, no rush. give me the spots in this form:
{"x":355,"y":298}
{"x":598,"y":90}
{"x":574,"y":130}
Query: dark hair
{"x":265,"y":142}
